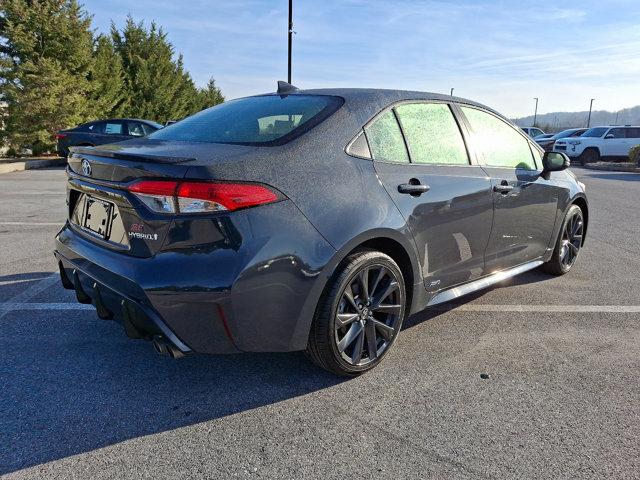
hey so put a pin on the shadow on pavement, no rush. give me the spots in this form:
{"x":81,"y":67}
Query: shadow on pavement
{"x":73,"y":383}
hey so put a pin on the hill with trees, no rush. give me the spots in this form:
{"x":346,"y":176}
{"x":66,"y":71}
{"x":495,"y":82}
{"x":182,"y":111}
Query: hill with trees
{"x":556,"y":121}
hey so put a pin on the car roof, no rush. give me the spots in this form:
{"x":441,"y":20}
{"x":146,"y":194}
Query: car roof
{"x":380,"y":98}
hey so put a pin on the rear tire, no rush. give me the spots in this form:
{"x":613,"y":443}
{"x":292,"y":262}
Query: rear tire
{"x":568,"y":243}
{"x":590,"y":155}
{"x":359,"y":315}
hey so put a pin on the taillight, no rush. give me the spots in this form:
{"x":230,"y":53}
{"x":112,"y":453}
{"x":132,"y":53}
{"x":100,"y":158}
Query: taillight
{"x":60,"y":136}
{"x":201,"y":197}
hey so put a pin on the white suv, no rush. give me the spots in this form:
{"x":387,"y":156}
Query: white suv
{"x":600,"y":142}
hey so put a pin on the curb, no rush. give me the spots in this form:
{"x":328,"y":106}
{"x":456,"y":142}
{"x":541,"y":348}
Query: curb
{"x":31,"y":164}
{"x":612,"y":168}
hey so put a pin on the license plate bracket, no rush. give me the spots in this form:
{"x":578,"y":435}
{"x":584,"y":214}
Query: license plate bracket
{"x":98,"y":216}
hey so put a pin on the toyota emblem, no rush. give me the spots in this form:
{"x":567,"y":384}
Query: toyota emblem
{"x":86,"y":167}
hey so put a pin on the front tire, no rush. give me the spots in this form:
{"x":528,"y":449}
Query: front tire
{"x":568,"y":243}
{"x":590,"y":155}
{"x":359,"y":315}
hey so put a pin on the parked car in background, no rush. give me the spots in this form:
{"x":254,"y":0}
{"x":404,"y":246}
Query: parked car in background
{"x":314,"y":220}
{"x":547,"y":142}
{"x":598,"y":142}
{"x":100,"y":132}
{"x":533,"y":132}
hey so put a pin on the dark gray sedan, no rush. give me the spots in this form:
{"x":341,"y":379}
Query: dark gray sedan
{"x":100,"y":132}
{"x":312,"y":220}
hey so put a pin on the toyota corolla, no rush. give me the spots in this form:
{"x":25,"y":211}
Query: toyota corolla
{"x":312,"y":220}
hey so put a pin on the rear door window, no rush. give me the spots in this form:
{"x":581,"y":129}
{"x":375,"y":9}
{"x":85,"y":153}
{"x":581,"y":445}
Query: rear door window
{"x":385,"y":139}
{"x":633,"y":133}
{"x":499,"y":144}
{"x":113,"y":128}
{"x":432,"y":133}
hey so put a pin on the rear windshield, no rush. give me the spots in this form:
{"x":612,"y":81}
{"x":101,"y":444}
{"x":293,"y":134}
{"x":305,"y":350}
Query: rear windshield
{"x":594,"y":132}
{"x":262,"y":120}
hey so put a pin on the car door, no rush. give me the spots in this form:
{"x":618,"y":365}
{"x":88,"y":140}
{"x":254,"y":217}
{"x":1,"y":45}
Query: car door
{"x":421,"y":159}
{"x":524,"y":202}
{"x":615,"y":143}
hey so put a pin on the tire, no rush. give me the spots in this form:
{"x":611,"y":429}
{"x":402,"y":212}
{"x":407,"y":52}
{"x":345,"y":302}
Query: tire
{"x":568,"y":243}
{"x":348,"y":325}
{"x":590,"y":155}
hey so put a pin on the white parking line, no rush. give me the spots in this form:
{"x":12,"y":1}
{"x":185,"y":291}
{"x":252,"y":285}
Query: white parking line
{"x":50,"y":224}
{"x":472,"y":307}
{"x":29,"y":293}
{"x":9,"y":306}
{"x":479,"y":307}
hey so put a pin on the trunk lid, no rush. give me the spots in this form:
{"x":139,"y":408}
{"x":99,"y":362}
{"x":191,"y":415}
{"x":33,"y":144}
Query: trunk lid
{"x":104,"y":212}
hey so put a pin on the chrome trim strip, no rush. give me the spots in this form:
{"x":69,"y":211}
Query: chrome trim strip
{"x":484,"y":282}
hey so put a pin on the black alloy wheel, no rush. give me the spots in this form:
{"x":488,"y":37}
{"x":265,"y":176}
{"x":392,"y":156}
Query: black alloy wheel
{"x":360,"y":316}
{"x":568,"y":244}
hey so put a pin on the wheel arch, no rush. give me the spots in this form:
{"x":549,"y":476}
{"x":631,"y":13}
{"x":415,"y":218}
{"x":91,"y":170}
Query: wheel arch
{"x":581,"y":202}
{"x":388,"y":241}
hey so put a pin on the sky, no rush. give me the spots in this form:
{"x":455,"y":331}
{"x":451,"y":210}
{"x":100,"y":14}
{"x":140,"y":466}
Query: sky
{"x":500,"y":53}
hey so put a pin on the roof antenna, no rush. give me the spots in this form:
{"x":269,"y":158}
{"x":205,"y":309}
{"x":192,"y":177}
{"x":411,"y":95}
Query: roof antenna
{"x":285,"y":88}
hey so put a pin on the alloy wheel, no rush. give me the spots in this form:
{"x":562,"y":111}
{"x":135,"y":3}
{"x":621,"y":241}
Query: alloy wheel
{"x":368,"y":315}
{"x":571,"y":240}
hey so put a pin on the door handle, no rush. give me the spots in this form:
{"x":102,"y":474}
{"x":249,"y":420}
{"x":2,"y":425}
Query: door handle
{"x":413,"y":189}
{"x":503,"y":188}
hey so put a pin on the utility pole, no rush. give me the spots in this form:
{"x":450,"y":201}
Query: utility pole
{"x":590,"y":108}
{"x":535,"y":113}
{"x":616,"y":122}
{"x":452,"y":89}
{"x":290,"y":40}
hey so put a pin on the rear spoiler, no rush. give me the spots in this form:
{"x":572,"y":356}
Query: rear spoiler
{"x":105,"y":151}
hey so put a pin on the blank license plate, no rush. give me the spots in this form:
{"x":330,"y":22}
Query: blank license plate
{"x":97,"y":216}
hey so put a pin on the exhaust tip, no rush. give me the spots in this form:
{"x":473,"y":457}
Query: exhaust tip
{"x":162,"y":347}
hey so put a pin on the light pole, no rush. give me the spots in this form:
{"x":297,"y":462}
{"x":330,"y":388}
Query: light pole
{"x":452,"y":89}
{"x":290,"y":35}
{"x":590,"y":108}
{"x":535,"y":113}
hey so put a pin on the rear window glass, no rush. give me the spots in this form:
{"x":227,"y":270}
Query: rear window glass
{"x":263,"y":120}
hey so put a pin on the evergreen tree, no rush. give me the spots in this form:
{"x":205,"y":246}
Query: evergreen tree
{"x":45,"y":57}
{"x":156,"y":85}
{"x":210,"y":95}
{"x":107,"y":97}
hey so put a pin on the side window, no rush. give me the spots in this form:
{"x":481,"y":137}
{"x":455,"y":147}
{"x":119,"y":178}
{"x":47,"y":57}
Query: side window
{"x":148,"y":129}
{"x":616,"y":132}
{"x":633,"y":132}
{"x":385,"y":139}
{"x":113,"y":128}
{"x":135,"y":129}
{"x":97,"y":127}
{"x":500,"y":144}
{"x":359,"y":147}
{"x":432,"y":134}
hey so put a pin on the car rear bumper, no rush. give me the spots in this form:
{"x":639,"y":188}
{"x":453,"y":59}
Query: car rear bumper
{"x":258,"y":294}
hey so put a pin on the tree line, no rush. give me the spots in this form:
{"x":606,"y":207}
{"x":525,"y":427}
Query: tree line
{"x":56,"y":72}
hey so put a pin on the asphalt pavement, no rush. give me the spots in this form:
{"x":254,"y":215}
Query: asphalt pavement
{"x":78,"y":399}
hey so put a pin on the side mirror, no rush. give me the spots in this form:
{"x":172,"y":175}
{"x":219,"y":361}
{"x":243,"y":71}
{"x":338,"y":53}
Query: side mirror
{"x":554,"y":162}
{"x":610,"y":135}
